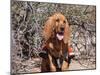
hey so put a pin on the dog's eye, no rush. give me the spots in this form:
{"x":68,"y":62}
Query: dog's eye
{"x":64,"y":21}
{"x":57,"y":20}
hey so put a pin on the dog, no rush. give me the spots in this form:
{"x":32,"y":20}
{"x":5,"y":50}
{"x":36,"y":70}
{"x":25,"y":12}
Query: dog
{"x":56,"y":33}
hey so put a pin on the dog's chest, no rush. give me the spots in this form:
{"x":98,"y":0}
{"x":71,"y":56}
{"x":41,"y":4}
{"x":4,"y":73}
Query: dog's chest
{"x":58,"y":45}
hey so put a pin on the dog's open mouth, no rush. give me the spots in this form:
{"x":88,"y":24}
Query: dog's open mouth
{"x":60,"y":35}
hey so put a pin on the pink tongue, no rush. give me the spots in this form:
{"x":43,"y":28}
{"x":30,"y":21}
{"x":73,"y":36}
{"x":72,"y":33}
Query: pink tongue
{"x":60,"y":37}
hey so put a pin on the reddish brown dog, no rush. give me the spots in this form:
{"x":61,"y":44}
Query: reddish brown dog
{"x":56,"y":34}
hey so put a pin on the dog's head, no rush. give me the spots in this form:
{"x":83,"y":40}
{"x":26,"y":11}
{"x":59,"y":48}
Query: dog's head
{"x":57,"y":25}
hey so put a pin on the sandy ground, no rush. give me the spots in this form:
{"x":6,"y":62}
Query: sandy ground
{"x":76,"y":66}
{"x":33,"y":66}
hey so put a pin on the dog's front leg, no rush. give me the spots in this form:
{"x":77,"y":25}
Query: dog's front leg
{"x":64,"y":66}
{"x":52,"y":67}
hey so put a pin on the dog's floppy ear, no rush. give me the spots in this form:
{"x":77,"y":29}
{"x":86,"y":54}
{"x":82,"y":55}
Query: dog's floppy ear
{"x":48,"y":28}
{"x":43,"y":54}
{"x":66,"y":33}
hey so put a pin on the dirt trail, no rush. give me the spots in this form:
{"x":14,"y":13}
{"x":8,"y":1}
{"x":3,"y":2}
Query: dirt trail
{"x":33,"y":65}
{"x":76,"y":66}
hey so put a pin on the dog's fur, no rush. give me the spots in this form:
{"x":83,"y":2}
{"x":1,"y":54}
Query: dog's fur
{"x":56,"y":34}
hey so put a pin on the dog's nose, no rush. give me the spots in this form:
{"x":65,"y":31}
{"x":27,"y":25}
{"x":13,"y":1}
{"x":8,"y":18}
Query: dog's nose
{"x":62,"y":28}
